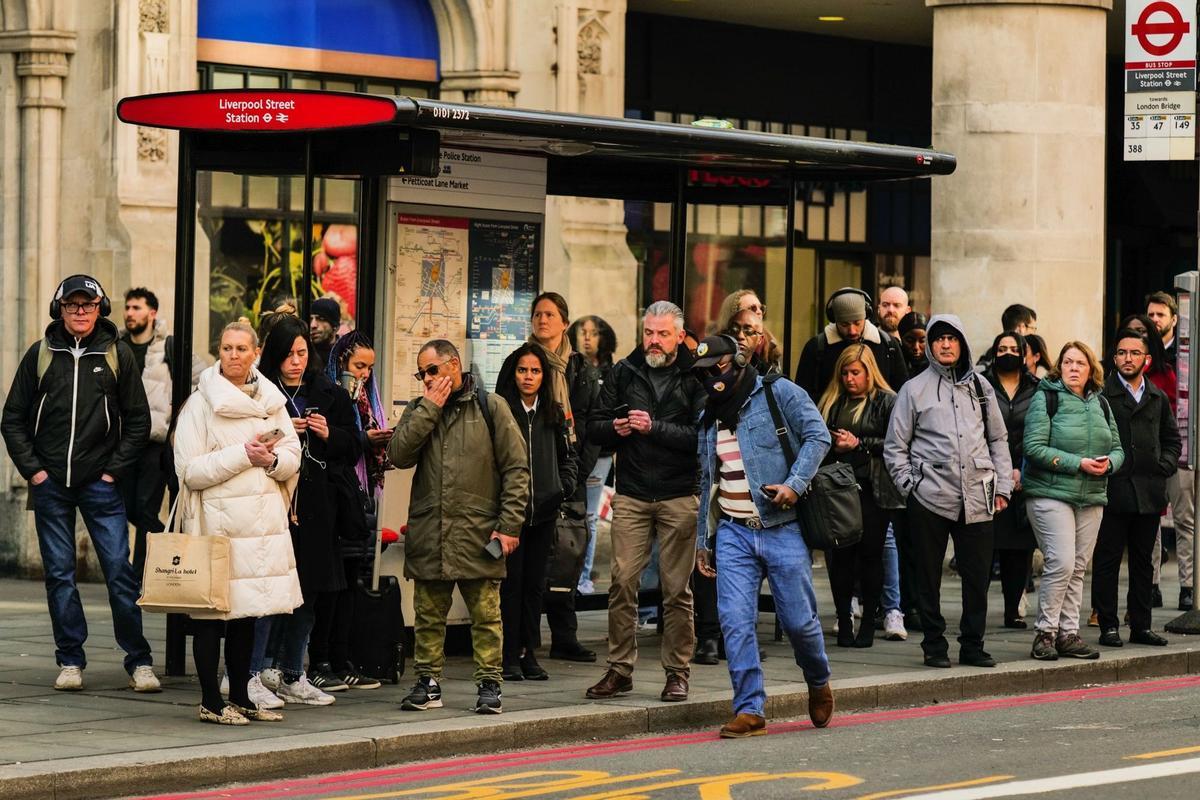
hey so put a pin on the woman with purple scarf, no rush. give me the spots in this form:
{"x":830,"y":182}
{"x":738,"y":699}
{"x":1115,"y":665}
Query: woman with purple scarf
{"x":351,"y":365}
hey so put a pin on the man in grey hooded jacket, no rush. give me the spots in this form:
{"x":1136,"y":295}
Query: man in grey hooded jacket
{"x":947,"y":452}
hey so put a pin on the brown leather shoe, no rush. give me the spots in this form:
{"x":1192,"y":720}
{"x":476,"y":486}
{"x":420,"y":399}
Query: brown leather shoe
{"x":744,"y":725}
{"x":820,"y":705}
{"x":613,"y":684}
{"x":675,"y":690}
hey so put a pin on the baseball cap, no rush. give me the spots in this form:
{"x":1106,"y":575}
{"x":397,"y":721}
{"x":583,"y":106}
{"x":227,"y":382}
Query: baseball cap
{"x":79,"y":284}
{"x":712,"y":349}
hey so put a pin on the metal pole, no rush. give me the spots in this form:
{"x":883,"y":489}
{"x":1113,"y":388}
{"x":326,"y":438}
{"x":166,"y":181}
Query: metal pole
{"x":789,"y":258}
{"x":305,"y":299}
{"x":678,"y":248}
{"x":1189,"y":621}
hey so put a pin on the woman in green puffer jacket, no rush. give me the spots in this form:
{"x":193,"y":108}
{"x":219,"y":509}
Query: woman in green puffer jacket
{"x":1072,"y":445}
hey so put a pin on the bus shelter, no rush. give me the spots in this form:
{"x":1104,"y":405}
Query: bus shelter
{"x":428,"y":219}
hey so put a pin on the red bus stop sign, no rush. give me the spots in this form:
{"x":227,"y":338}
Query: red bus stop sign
{"x":1151,"y":23}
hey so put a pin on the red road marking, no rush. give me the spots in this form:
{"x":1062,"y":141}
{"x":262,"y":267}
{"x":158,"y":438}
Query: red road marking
{"x":413,"y":773}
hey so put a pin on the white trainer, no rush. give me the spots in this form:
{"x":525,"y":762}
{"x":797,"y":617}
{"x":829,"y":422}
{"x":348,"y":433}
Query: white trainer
{"x":225,"y":685}
{"x":304,"y":693}
{"x":260,"y":695}
{"x":271,"y":678}
{"x":70,"y":679}
{"x":144,"y":680}
{"x":893,"y":626}
{"x":856,"y":609}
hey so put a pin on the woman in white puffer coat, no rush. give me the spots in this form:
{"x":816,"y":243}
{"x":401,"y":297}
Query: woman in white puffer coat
{"x":239,"y":487}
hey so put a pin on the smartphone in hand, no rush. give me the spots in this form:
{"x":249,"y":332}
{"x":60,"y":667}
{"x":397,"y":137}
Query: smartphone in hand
{"x":494,"y":549}
{"x":767,"y":490}
{"x":310,"y":410}
{"x":270,"y":437}
{"x":621,"y":411}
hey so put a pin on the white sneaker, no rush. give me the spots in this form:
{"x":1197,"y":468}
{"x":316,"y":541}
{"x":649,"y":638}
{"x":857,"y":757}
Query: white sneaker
{"x":260,"y":695}
{"x":225,"y":685}
{"x":70,"y":679}
{"x":144,"y":680}
{"x":586,"y":586}
{"x":893,"y":626}
{"x":1023,"y":605}
{"x":304,"y":693}
{"x":271,"y":678}
{"x":855,"y":608}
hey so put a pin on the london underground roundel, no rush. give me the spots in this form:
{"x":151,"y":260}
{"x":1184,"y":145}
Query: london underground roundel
{"x":256,"y":110}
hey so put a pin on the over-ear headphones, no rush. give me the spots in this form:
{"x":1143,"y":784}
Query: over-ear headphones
{"x":866,"y":297}
{"x":90,"y":283}
{"x":740,"y":359}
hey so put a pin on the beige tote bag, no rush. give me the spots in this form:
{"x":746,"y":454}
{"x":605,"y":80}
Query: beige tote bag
{"x":185,"y":573}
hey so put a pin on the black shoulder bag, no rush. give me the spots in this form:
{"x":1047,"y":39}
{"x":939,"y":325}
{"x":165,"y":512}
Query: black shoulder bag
{"x":830,"y":510}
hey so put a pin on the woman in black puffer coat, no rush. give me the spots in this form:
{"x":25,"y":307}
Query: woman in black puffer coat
{"x":553,"y":468}
{"x":1014,"y":542}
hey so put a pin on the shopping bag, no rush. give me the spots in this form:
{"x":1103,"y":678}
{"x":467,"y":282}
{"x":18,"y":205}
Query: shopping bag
{"x":185,"y":573}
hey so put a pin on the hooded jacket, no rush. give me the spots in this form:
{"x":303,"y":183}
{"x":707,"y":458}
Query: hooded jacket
{"x":661,"y":464}
{"x":938,"y":447}
{"x":814,"y":370}
{"x":80,"y":420}
{"x":467,"y":484}
{"x":1054,"y":447}
{"x":229,"y":496}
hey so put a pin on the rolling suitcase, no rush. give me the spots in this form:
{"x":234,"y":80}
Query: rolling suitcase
{"x":377,"y":632}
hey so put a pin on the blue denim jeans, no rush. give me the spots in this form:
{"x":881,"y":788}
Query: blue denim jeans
{"x":595,"y":493}
{"x":293,"y":643}
{"x":54,"y":507}
{"x":744,"y":556}
{"x":890,"y":599}
{"x":262,"y":656}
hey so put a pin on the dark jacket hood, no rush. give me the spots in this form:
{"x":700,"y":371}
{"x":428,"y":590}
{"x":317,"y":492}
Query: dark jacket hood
{"x":949,"y":323}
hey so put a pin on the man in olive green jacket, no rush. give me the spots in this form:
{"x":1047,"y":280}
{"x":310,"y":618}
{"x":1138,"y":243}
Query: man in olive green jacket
{"x":469,"y":495}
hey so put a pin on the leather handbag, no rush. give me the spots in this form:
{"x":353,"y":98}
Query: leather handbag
{"x":186,"y":573}
{"x":830,"y":510}
{"x":568,"y":548}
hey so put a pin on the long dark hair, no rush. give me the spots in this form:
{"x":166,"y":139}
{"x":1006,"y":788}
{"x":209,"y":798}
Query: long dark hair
{"x":1021,"y":345}
{"x":1154,"y":345}
{"x":608,"y":337}
{"x":508,"y":387}
{"x":279,"y":343}
{"x":1038,"y":345}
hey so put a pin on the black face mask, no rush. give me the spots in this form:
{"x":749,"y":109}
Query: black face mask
{"x":721,"y":386}
{"x":1009,"y":362}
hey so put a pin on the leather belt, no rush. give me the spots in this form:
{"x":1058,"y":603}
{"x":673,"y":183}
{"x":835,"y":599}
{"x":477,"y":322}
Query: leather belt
{"x":753,"y":523}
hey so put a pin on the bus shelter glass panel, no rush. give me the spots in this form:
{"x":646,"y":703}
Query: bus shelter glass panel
{"x":250,"y":246}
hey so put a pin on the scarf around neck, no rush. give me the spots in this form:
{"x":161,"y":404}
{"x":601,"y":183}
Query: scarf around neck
{"x":727,"y":409}
{"x":559,"y":389}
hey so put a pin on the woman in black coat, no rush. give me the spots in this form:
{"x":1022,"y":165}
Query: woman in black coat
{"x":553,"y":469}
{"x":1014,"y":541}
{"x":324,"y":420}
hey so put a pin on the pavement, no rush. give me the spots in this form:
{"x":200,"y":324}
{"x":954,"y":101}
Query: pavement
{"x":107,"y":741}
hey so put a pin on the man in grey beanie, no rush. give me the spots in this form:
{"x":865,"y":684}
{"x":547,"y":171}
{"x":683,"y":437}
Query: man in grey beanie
{"x":847,"y":312}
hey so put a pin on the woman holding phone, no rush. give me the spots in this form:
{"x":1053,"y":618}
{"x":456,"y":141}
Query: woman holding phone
{"x":237,"y":456}
{"x":857,"y":405}
{"x":321,"y":416}
{"x":1072,"y":445}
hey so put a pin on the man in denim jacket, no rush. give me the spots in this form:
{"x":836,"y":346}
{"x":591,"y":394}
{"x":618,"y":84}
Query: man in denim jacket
{"x":753,"y":491}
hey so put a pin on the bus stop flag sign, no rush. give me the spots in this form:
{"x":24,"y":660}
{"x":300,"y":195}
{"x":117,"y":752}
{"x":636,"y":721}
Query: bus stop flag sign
{"x":1160,"y":80}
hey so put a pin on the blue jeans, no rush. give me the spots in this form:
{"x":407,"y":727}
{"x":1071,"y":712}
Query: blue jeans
{"x":744,"y":556}
{"x":890,"y":600}
{"x":103,"y":512}
{"x":294,"y":642}
{"x":595,"y":493}
{"x":264,"y":636}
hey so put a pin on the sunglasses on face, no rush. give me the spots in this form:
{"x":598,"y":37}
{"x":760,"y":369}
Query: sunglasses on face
{"x":432,"y":369}
{"x":748,"y":331}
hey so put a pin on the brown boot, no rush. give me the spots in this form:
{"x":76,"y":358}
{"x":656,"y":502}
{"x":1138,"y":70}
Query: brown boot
{"x":613,"y":684}
{"x":676,"y":689}
{"x":820,"y":705}
{"x":744,"y":725}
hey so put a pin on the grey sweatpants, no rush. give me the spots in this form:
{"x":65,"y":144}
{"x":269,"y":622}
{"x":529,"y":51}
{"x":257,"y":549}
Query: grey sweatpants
{"x":1066,"y":536}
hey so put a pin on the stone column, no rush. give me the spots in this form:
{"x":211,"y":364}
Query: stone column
{"x":1018,"y":97}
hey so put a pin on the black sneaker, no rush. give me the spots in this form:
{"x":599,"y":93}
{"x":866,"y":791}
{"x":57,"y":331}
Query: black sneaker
{"x":324,"y":678}
{"x":426,"y":693}
{"x":1111,"y":637}
{"x":1071,"y":646}
{"x":488,"y":701}
{"x":1043,"y":647}
{"x":356,"y":680}
{"x":1156,"y":600}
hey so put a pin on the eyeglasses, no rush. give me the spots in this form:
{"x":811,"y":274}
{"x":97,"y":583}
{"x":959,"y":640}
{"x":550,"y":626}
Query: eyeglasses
{"x":75,"y":308}
{"x":432,"y":369}
{"x":746,"y":330}
{"x":1130,"y":353}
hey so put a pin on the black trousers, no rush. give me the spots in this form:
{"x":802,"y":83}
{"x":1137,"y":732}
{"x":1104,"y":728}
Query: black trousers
{"x":704,"y":603}
{"x":1119,"y":530}
{"x":1014,"y":575}
{"x":973,"y":551}
{"x":143,"y":490}
{"x":206,"y":651}
{"x":333,"y":614}
{"x":862,"y":562}
{"x":521,"y":591}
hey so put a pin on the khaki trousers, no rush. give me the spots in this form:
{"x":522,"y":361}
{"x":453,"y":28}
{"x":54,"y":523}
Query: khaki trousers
{"x":431,"y":604}
{"x":635,"y":525}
